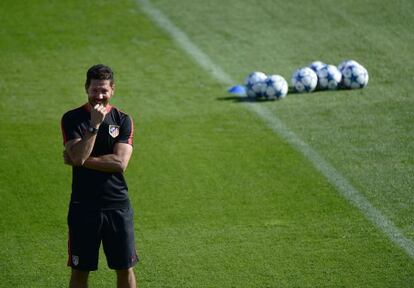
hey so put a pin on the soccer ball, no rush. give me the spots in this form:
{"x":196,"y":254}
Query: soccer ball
{"x":316,"y":65}
{"x":354,"y":76}
{"x":329,"y":77}
{"x":346,"y":63}
{"x":256,"y":84}
{"x":304,"y":80}
{"x":276,"y":87}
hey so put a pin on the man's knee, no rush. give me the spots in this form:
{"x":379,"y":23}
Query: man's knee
{"x":126,"y":278}
{"x":79,"y":279}
{"x":125,"y":272}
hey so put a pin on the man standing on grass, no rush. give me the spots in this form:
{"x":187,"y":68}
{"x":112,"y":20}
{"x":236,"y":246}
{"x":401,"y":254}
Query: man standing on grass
{"x":98,"y":146}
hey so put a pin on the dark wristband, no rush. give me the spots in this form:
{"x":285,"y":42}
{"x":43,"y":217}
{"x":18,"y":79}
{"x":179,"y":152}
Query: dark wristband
{"x":92,"y":130}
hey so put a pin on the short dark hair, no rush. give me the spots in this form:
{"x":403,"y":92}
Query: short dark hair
{"x":99,"y":72}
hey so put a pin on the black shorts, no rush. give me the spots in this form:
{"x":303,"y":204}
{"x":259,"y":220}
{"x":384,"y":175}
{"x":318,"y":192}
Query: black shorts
{"x":87,"y":229}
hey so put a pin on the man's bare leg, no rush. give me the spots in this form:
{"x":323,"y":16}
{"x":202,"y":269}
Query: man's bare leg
{"x":79,"y":279}
{"x":126,"y":278}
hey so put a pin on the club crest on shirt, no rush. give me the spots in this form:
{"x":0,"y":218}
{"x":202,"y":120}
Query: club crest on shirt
{"x":114,"y":130}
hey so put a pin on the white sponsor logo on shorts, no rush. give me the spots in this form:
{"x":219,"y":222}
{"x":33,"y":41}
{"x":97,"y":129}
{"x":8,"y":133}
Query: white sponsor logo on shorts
{"x":75,"y":260}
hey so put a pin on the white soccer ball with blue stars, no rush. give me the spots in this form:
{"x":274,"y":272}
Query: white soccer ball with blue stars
{"x":354,"y":75}
{"x":329,"y":77}
{"x":346,"y":63}
{"x":304,"y":80}
{"x":256,"y":84}
{"x":316,"y":65}
{"x":276,"y":87}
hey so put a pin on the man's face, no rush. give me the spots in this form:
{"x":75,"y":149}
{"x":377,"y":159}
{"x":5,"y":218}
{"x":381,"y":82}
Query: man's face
{"x":99,"y":92}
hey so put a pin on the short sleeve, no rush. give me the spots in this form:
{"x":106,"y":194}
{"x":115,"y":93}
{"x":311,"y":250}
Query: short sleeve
{"x":69,"y":130}
{"x":126,"y":131}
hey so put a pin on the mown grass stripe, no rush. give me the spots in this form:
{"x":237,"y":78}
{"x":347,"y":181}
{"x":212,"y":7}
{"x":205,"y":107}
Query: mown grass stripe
{"x":346,"y":189}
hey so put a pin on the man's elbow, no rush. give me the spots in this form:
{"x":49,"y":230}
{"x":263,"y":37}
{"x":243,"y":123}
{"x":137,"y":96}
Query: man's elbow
{"x":78,"y":161}
{"x":122,"y":167}
{"x":123,"y":164}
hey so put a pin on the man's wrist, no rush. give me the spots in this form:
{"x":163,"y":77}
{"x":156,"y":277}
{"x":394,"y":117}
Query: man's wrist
{"x":93,"y":129}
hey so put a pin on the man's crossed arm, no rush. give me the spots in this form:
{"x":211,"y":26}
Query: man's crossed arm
{"x":77,"y":153}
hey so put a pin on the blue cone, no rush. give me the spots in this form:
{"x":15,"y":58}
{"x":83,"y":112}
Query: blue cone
{"x":237,"y":90}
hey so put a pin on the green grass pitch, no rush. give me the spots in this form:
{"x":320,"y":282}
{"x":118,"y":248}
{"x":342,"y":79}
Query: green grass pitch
{"x":220,"y":200}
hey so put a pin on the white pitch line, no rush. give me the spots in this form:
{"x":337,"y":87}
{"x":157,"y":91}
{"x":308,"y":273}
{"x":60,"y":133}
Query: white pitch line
{"x":346,"y":189}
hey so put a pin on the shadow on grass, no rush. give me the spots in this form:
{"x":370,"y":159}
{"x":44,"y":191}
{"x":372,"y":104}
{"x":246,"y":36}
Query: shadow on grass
{"x":242,"y":99}
{"x":245,"y":99}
